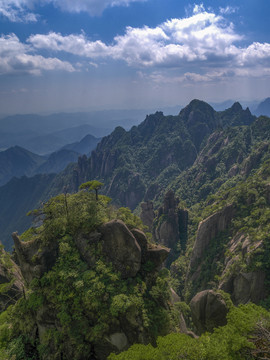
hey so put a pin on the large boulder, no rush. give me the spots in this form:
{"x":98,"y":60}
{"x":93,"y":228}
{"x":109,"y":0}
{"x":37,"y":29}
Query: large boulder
{"x":35,"y":258}
{"x":208,"y":311}
{"x":120,"y":248}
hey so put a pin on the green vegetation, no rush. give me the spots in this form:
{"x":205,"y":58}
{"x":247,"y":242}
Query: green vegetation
{"x":77,"y":306}
{"x":246,"y":336}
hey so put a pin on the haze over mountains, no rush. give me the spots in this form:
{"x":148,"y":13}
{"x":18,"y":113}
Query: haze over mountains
{"x":199,"y":181}
{"x":134,"y":165}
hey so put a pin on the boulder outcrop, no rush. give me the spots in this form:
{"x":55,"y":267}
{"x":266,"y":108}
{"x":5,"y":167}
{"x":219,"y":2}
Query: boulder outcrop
{"x":208,"y":311}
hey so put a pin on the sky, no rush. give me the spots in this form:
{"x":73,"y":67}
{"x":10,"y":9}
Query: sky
{"x":81,"y":55}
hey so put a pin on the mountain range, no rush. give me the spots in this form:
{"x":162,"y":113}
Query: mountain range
{"x":184,"y":279}
{"x":140,"y":164}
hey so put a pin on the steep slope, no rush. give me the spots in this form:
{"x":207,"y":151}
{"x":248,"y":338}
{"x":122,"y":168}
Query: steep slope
{"x":57,"y":162}
{"x":140,"y":164}
{"x":84,"y":146}
{"x":263,"y":108}
{"x":92,"y":284}
{"x":18,"y":197}
{"x":17,"y":161}
{"x":232,"y":246}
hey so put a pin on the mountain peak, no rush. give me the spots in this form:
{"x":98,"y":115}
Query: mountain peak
{"x":236,"y":107}
{"x":196,"y":104}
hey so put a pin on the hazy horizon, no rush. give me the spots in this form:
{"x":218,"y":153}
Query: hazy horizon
{"x":131,"y":54}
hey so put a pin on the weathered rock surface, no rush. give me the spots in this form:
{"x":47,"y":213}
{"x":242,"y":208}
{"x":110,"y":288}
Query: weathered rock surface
{"x":11,"y":281}
{"x":147,"y":214}
{"x":142,"y":241}
{"x":157,"y":255}
{"x":85,"y":245}
{"x":34,"y":257}
{"x":208,"y":229}
{"x":171,"y":225}
{"x":208,"y":311}
{"x":242,"y":286}
{"x":121,"y":248}
{"x":245,"y":287}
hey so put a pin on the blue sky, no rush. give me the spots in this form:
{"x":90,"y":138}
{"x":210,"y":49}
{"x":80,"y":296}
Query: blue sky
{"x":69,"y":55}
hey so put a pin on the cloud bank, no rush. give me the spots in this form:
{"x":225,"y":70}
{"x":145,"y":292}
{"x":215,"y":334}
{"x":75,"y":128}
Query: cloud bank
{"x":16,"y":57}
{"x":203,"y":39}
{"x":201,"y":47}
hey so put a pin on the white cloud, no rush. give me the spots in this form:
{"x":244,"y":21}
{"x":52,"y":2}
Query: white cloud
{"x":16,"y":57}
{"x":21,"y":10}
{"x":197,"y":38}
{"x":254,"y":54}
{"x":201,"y":47}
{"x":228,"y":10}
{"x":93,"y":7}
{"x":18,"y":11}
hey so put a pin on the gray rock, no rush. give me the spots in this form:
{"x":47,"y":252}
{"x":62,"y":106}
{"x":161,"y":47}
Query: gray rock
{"x":121,"y":248}
{"x":208,"y":311}
{"x":147,"y":214}
{"x":35,"y":258}
{"x":86,"y":245}
{"x":208,"y":229}
{"x":143,"y":243}
{"x":157,"y":255}
{"x":245,"y":287}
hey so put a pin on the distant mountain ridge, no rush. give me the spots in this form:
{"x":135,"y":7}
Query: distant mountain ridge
{"x":84,"y":146}
{"x":263,"y":108}
{"x":139,"y":164}
{"x":17,"y":161}
{"x":44,"y":134}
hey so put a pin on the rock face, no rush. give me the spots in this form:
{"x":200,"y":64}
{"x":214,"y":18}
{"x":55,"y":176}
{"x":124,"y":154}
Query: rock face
{"x":147,"y":214}
{"x":208,"y":310}
{"x":166,"y":231}
{"x":208,"y":229}
{"x":34,"y":257}
{"x":170,"y":227}
{"x":11,"y":281}
{"x":242,"y":286}
{"x":121,"y":248}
